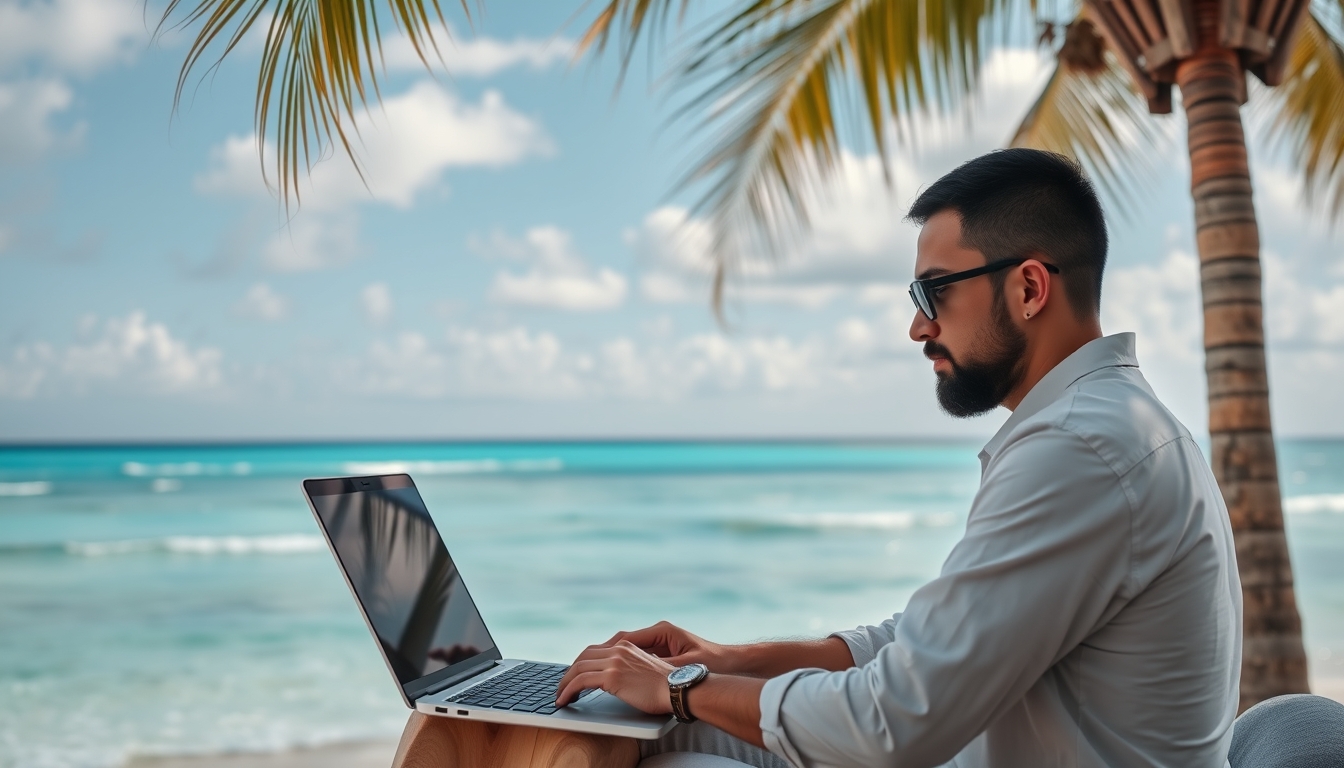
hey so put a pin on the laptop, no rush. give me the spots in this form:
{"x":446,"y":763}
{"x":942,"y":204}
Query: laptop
{"x":426,"y":625}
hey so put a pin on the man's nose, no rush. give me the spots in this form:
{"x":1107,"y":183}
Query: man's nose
{"x":922,"y":328}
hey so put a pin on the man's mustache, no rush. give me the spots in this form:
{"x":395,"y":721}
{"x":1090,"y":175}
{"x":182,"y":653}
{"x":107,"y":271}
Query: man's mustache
{"x":933,"y":349}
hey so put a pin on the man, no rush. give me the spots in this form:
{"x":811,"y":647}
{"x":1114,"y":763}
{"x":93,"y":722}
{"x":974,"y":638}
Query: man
{"x":1090,"y":615}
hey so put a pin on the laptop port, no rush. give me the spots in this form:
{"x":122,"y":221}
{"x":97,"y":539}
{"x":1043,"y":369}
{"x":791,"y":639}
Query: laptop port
{"x":462,"y":712}
{"x":444,"y":710}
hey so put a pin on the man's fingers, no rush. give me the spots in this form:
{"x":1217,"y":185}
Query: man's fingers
{"x":656,"y":639}
{"x":577,"y":685}
{"x":580,"y":666}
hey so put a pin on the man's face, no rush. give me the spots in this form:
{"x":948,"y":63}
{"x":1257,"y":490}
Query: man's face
{"x":977,"y":351}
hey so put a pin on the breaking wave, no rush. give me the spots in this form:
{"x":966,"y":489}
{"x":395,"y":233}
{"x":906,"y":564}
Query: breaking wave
{"x":457,"y":467}
{"x":33,"y":488}
{"x":821,"y":522}
{"x":1321,"y":502}
{"x":184,"y":469}
{"x":282,"y":544}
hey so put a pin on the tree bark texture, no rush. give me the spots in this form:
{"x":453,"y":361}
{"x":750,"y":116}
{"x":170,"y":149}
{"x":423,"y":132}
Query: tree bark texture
{"x":1212,"y":83}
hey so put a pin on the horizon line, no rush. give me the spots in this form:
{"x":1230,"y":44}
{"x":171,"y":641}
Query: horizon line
{"x":535,"y":440}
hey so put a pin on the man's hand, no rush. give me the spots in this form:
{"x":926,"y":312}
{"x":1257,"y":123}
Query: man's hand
{"x":623,"y":670}
{"x":677,"y":646}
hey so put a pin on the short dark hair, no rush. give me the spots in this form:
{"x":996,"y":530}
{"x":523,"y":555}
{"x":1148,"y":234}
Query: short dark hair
{"x":1013,"y":201}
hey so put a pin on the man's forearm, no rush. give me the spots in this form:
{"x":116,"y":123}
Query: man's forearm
{"x":772,"y":659}
{"x":731,"y":703}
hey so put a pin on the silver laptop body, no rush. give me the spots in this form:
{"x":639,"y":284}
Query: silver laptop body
{"x":426,"y":625}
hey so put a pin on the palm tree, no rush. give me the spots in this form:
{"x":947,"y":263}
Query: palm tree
{"x":771,"y":80}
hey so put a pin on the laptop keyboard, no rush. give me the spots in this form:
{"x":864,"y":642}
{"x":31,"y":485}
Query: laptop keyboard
{"x":527,"y":687}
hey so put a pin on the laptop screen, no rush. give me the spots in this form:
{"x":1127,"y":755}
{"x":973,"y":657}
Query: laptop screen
{"x":401,"y":574}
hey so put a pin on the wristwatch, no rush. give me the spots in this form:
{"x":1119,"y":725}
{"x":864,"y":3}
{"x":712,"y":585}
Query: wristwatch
{"x":678,"y":681}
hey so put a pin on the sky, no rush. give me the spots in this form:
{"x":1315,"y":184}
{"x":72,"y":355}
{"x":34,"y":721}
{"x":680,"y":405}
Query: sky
{"x":520,"y":264}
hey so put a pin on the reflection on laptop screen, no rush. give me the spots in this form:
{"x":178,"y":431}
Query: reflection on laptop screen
{"x":404,"y":578}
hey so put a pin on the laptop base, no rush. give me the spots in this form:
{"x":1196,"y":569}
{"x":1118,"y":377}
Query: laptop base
{"x":598,"y":713}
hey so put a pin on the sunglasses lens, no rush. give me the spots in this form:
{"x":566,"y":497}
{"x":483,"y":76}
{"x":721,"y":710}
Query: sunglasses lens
{"x":921,"y":300}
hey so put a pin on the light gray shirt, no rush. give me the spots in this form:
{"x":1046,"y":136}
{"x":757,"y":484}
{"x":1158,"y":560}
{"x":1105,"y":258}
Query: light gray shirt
{"x":1090,"y":615}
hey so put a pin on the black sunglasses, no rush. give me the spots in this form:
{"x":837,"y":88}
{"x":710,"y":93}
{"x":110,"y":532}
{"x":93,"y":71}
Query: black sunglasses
{"x":922,"y":291}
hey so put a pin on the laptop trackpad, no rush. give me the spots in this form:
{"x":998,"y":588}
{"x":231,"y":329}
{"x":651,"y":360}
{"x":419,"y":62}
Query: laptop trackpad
{"x":607,"y":708}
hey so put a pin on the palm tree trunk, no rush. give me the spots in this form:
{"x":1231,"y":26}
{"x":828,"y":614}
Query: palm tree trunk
{"x":1212,"y":89}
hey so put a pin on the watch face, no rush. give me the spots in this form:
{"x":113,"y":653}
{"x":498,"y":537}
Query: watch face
{"x":684,"y":675}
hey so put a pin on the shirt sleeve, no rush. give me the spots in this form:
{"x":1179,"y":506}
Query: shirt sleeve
{"x":864,"y":642}
{"x":1045,"y":560}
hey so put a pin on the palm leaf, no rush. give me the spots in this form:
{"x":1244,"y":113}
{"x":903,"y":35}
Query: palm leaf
{"x":1308,"y":108}
{"x":631,"y":20}
{"x":319,"y":62}
{"x":782,"y":77}
{"x":1095,"y":115}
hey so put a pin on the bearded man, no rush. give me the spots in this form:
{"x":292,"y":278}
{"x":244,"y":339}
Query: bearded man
{"x":1091,"y":613}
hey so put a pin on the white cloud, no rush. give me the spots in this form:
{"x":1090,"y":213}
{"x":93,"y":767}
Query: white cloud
{"x":480,"y":56}
{"x":514,"y":361}
{"x":1160,"y":303}
{"x":406,"y":145}
{"x":858,"y":239}
{"x":129,"y":353}
{"x":884,"y":293}
{"x":75,"y":36}
{"x":261,"y":302}
{"x":858,"y":236}
{"x":376,"y":302}
{"x":26,"y":109}
{"x":467,"y":362}
{"x":603,"y":290}
{"x":1300,"y":312}
{"x":43,"y":43}
{"x":311,"y":242}
{"x":558,"y":278}
{"x":520,"y":363}
{"x":665,"y":288}
{"x":701,"y":364}
{"x":22,"y":376}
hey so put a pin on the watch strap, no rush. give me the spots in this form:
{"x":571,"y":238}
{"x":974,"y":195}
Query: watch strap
{"x":679,"y":708}
{"x":677,"y":692}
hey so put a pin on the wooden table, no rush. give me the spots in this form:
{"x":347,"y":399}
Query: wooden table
{"x":443,"y":742}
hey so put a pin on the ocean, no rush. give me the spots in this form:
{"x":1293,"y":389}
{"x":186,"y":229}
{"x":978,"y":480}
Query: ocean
{"x":180,"y":600}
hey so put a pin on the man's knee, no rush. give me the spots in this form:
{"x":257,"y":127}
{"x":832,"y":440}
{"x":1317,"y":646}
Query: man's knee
{"x":1297,"y":731}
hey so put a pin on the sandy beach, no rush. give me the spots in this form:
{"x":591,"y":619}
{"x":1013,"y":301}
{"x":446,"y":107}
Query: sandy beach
{"x":375,"y":754}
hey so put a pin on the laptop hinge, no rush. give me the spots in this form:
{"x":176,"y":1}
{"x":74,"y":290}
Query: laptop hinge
{"x":455,"y":679}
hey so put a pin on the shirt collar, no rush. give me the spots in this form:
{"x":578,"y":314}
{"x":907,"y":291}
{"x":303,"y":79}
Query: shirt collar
{"x":1105,"y":352}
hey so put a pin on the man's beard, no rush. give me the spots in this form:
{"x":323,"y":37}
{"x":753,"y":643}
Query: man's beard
{"x":981,"y":383}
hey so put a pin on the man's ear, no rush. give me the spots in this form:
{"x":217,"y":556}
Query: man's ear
{"x":1035,"y":287}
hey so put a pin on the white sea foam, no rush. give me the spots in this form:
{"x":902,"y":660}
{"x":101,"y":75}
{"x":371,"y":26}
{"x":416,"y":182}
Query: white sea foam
{"x":878,"y":521}
{"x":282,"y":544}
{"x":1321,"y":502}
{"x":32,"y":488}
{"x":184,"y":469}
{"x":165,"y":485}
{"x":455,"y":467}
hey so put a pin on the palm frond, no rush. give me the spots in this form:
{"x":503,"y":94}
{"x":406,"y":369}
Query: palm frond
{"x":319,"y":62}
{"x":631,"y":21}
{"x":1093,"y":113}
{"x":1308,"y":109}
{"x":784,"y":77}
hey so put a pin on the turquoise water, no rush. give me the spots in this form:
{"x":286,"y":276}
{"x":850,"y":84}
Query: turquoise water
{"x":159,"y":600}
